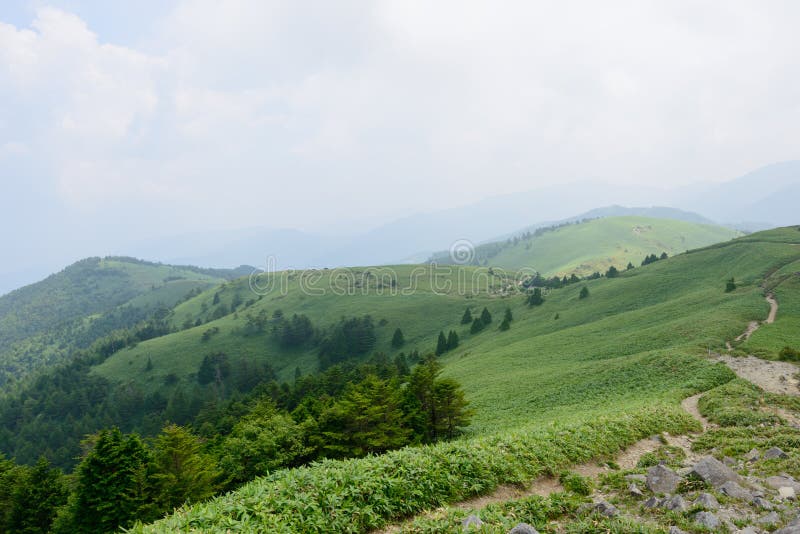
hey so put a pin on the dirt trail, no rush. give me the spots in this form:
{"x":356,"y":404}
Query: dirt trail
{"x":774,"y":377}
{"x":753,"y":325}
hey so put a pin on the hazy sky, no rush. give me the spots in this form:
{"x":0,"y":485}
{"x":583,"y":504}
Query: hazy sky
{"x":165,"y":116}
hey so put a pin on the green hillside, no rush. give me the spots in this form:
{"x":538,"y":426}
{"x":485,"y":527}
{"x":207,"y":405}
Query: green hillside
{"x":572,"y":379}
{"x":42,"y":323}
{"x":595,"y":245}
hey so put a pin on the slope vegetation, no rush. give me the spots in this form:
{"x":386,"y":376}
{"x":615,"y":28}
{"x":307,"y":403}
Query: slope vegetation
{"x":595,"y":245}
{"x":573,"y":378}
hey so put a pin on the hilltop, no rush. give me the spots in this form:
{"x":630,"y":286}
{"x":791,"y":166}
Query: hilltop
{"x":40,"y":324}
{"x":586,"y":246}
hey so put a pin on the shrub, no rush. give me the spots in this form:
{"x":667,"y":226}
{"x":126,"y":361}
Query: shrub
{"x":789,"y":354}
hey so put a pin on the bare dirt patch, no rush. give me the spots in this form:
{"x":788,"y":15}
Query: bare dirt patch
{"x":774,"y":377}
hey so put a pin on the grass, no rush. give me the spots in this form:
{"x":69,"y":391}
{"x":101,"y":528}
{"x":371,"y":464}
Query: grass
{"x":359,"y":495}
{"x":596,"y":245}
{"x":635,"y":343}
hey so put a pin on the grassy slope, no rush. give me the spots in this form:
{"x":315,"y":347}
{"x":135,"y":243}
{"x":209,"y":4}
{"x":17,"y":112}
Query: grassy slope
{"x":37,"y":321}
{"x":633,"y":344}
{"x":598,"y":244}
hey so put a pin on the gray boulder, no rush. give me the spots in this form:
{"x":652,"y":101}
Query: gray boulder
{"x":712,"y":471}
{"x":675,"y":504}
{"x":707,"y":519}
{"x":780,"y":481}
{"x":752,"y":456}
{"x":774,"y":453}
{"x":676,"y":530}
{"x":634,"y":491}
{"x":606,"y":509}
{"x":472,"y":521}
{"x":791,"y":528}
{"x":523,"y":528}
{"x":771,"y":518}
{"x":762,"y":503}
{"x":748,"y":530}
{"x":706,"y":501}
{"x":652,"y":502}
{"x":735,"y":491}
{"x":662,"y":479}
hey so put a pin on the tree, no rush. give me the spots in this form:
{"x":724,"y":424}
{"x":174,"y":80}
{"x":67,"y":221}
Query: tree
{"x":36,"y":493}
{"x":507,"y":316}
{"x":486,"y":317}
{"x":584,"y":293}
{"x":451,"y":409}
{"x":368,"y":419}
{"x":730,"y":285}
{"x":467,"y":317}
{"x":477,"y":326}
{"x":441,"y":344}
{"x":505,"y":324}
{"x":397,"y":339}
{"x":401,"y":364}
{"x":629,"y":267}
{"x":113,"y":484}
{"x":535,"y":298}
{"x":663,"y":256}
{"x":452,"y":340}
{"x":436,"y":408}
{"x":612,"y":272}
{"x":183,"y":473}
{"x":215,"y":368}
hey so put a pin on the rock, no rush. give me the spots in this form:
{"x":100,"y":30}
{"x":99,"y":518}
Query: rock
{"x":774,"y":453}
{"x":523,"y":528}
{"x":675,"y":504}
{"x":788,"y":530}
{"x":747,"y":530}
{"x":760,"y":502}
{"x":606,"y":509}
{"x":714,"y":472}
{"x":734,"y":490}
{"x":771,"y":518}
{"x":636,"y":478}
{"x":634,"y":490}
{"x":787,"y":493}
{"x":471,"y":521}
{"x":707,"y":501}
{"x":730,"y":462}
{"x":707,"y":519}
{"x":662,"y":479}
{"x":652,"y":502}
{"x":676,"y":530}
{"x":781,"y":481}
{"x":752,"y":456}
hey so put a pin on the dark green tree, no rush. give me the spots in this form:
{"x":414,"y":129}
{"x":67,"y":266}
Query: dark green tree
{"x":730,"y":285}
{"x":612,"y":272}
{"x":508,"y":316}
{"x":452,"y":340}
{"x":401,"y":364}
{"x":214,"y":368}
{"x":584,"y":292}
{"x":536,"y":298}
{"x":505,"y":324}
{"x":36,"y":493}
{"x":477,"y":326}
{"x":441,"y":344}
{"x":663,"y":256}
{"x":397,"y":339}
{"x":629,"y":267}
{"x":486,"y":317}
{"x":467,"y":317}
{"x":436,"y":408}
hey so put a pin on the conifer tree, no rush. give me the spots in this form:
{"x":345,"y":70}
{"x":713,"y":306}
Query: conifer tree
{"x":477,"y":326}
{"x":467,"y":317}
{"x":486,"y":317}
{"x":730,"y":285}
{"x":397,"y":339}
{"x":584,"y":292}
{"x":508,"y":316}
{"x":629,"y":267}
{"x":505,"y":324}
{"x":441,"y":344}
{"x":452,"y":340}
{"x":536,"y":298}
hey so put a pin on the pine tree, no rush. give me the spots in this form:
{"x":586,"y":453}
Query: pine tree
{"x":536,"y":298}
{"x":612,"y":272}
{"x":505,"y":324}
{"x":441,"y":344}
{"x":467,"y":317}
{"x":730,"y":285}
{"x":629,"y":267}
{"x":508,"y":316}
{"x":401,"y":364}
{"x":486,"y":317}
{"x":584,"y":292}
{"x":452,"y":340}
{"x":397,"y":339}
{"x":663,"y":256}
{"x":477,"y":326}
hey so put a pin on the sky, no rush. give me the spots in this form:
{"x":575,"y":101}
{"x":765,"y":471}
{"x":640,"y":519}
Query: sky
{"x":129,"y":120}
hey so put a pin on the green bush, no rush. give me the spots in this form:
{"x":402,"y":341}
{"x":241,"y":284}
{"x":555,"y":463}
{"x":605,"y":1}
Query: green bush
{"x":789,"y":354}
{"x":575,"y":483}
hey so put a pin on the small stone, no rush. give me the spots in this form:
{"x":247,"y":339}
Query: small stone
{"x":734,"y":490}
{"x":774,"y":453}
{"x":675,"y":504}
{"x":730,"y":462}
{"x":760,"y":502}
{"x":786,"y":492}
{"x":606,"y":509}
{"x":752,"y":456}
{"x":471,"y":521}
{"x":707,"y":501}
{"x":634,"y":490}
{"x":747,"y":530}
{"x":652,"y":502}
{"x":706,"y":519}
{"x":662,"y":479}
{"x":714,"y":472}
{"x":676,"y":530}
{"x":523,"y":528}
{"x":771,"y":518}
